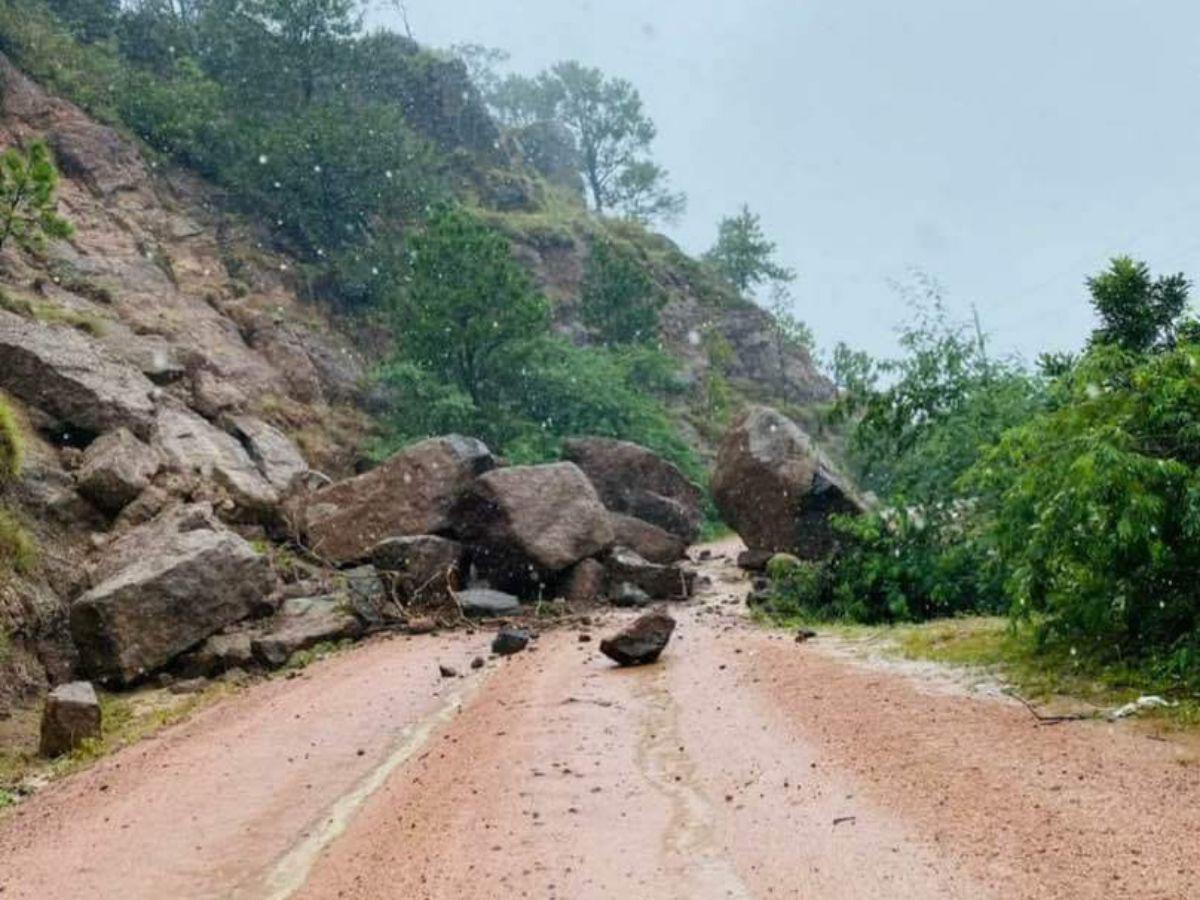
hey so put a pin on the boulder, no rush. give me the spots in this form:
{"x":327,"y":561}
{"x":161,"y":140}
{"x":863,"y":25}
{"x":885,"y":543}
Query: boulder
{"x":775,"y":487}
{"x":273,"y":453}
{"x":412,"y":493}
{"x":484,"y":603}
{"x":640,"y":643}
{"x":191,"y":444}
{"x":60,"y":371}
{"x":367,"y":596}
{"x":549,"y":515}
{"x":71,"y":716}
{"x":660,"y":582}
{"x":302,"y":623}
{"x":116,"y":468}
{"x":649,"y":541}
{"x":167,"y":596}
{"x":585,"y":583}
{"x":633,"y":480}
{"x":424,"y":566}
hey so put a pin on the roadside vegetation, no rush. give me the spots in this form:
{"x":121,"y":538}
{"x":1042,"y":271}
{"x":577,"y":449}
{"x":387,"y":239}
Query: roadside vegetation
{"x":1065,"y":497}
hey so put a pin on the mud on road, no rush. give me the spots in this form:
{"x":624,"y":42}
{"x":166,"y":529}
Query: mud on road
{"x":742,"y":765}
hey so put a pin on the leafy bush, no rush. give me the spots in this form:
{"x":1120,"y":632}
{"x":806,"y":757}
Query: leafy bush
{"x":12,"y":444}
{"x":619,"y":300}
{"x":1097,"y":507}
{"x":897,"y":566}
{"x":28,"y":201}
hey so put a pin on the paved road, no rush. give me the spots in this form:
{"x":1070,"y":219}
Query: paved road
{"x":743,"y":765}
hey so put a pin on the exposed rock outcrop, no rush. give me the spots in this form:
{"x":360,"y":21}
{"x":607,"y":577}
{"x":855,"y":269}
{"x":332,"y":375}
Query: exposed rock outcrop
{"x":777,"y":489}
{"x":115,"y":469}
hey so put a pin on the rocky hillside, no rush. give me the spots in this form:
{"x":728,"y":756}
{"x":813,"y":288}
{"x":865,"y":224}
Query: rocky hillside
{"x":171,"y":387}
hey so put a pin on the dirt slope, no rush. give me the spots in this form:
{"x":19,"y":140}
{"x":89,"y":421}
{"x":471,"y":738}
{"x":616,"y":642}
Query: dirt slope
{"x":744,"y":765}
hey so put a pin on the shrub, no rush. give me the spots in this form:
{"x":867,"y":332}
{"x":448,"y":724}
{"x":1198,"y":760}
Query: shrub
{"x":12,"y":444}
{"x":28,"y":201}
{"x":619,"y":301}
{"x":18,"y":552}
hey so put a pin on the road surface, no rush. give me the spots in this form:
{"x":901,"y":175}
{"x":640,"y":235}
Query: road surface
{"x":743,"y":765}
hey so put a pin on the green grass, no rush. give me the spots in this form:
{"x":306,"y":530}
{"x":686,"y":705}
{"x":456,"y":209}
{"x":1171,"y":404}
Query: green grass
{"x":1037,"y":673}
{"x":52,"y":314}
{"x":18,"y":550}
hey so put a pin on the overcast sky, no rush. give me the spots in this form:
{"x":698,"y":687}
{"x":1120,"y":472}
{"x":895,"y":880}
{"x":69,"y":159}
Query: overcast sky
{"x":1006,"y":148}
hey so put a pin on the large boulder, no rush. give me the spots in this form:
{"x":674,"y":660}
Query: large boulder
{"x":116,"y":468}
{"x":412,"y":493}
{"x":777,"y":489}
{"x":70,"y":717}
{"x":633,"y":480}
{"x":549,"y":515}
{"x":63,"y":373}
{"x":165,"y":591}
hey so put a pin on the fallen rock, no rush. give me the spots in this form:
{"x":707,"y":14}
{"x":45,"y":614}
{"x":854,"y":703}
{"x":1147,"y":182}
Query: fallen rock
{"x":585,"y":583}
{"x":412,"y":493}
{"x":277,"y":459}
{"x":477,"y":663}
{"x":509,"y":641}
{"x":191,"y":444}
{"x":115,"y":469}
{"x":649,"y":541}
{"x":70,"y":717}
{"x":640,"y":643}
{"x":60,"y":371}
{"x":549,"y":515}
{"x":776,"y":488}
{"x":447,"y":671}
{"x":421,"y":625}
{"x":303,"y":623}
{"x":367,"y":596}
{"x":660,"y":582}
{"x":426,"y":567}
{"x":166,"y":598}
{"x":479,"y":603}
{"x":630,"y":596}
{"x":220,"y":653}
{"x":633,"y":480}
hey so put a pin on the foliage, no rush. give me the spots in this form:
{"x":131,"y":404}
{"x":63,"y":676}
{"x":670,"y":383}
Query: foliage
{"x":1137,"y":313}
{"x":897,"y":566}
{"x":619,"y":300}
{"x":611,"y":130}
{"x":1097,"y":507}
{"x":28,"y":201}
{"x":744,"y":255}
{"x":855,"y":374}
{"x":467,"y":305}
{"x":789,"y":335}
{"x":12,"y":444}
{"x":18,"y":551}
{"x":946,"y":400}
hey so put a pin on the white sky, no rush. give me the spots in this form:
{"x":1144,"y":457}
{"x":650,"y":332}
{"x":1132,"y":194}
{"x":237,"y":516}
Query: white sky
{"x":1007,"y":148}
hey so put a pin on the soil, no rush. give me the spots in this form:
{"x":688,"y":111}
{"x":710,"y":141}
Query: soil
{"x":742,"y":764}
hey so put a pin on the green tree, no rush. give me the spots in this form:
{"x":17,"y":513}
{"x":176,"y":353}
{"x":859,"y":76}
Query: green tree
{"x":613,"y":134}
{"x":307,"y":35}
{"x":468,"y":304}
{"x":744,"y":255}
{"x":1137,"y":312}
{"x":620,"y":301}
{"x":789,"y":334}
{"x":28,"y":198}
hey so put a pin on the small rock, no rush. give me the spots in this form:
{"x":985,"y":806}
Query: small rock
{"x":422,"y":625}
{"x":510,"y":641}
{"x":705,"y":555}
{"x":482,"y":603}
{"x":640,"y":643}
{"x":585,"y":638}
{"x":477,"y":662}
{"x":448,"y":671}
{"x":804,"y":634}
{"x":189,"y":686}
{"x":71,"y":716}
{"x":630,"y":596}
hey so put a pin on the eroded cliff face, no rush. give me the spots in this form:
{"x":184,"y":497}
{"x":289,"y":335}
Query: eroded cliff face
{"x":166,"y":320}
